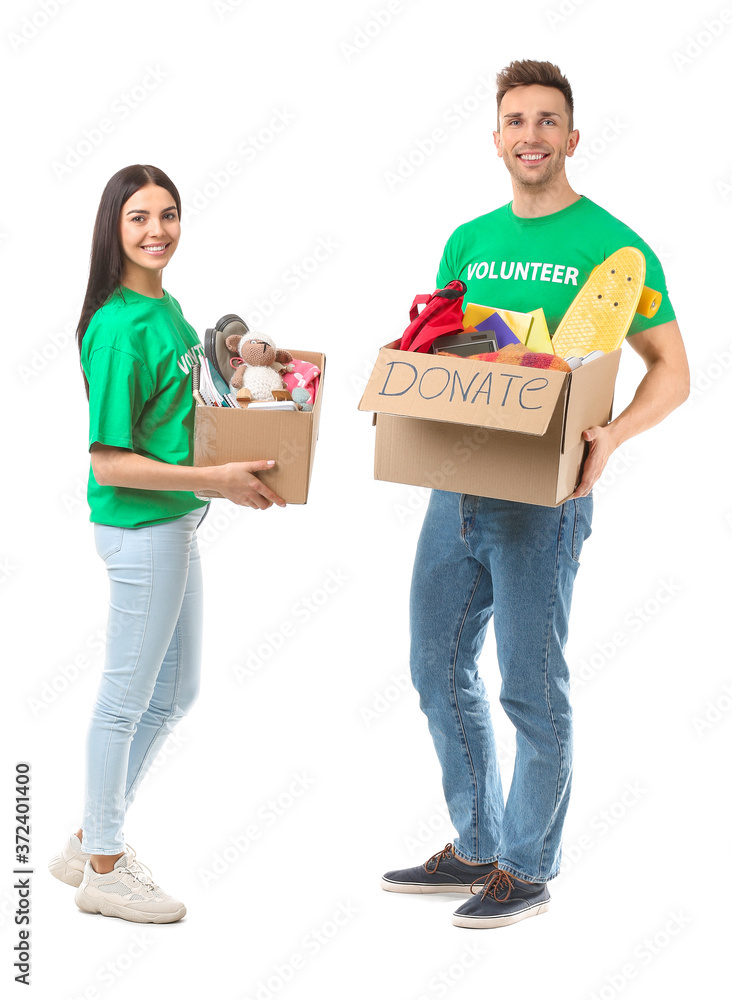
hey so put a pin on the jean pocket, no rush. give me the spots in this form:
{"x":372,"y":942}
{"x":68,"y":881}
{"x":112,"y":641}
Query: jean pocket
{"x":582,"y":524}
{"x":108,"y":539}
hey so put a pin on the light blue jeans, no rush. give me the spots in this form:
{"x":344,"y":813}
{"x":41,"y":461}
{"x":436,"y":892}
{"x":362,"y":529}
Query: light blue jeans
{"x":152,"y":665}
{"x":479,"y":558}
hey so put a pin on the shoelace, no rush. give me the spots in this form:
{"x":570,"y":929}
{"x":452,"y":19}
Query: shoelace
{"x":447,"y":851}
{"x":498,"y":884}
{"x":141,"y":873}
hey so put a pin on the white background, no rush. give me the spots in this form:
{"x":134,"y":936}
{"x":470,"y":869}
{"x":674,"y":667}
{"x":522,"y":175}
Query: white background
{"x":641,"y":906}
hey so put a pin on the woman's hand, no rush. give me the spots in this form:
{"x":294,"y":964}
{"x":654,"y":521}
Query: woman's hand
{"x":241,"y":486}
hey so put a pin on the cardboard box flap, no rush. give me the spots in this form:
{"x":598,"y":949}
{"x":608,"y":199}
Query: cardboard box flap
{"x":461,"y":391}
{"x":590,"y":397}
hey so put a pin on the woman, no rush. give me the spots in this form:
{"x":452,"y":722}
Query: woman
{"x":135,"y":347}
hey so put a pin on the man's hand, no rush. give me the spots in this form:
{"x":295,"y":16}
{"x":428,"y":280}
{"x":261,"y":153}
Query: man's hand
{"x":601,"y":448}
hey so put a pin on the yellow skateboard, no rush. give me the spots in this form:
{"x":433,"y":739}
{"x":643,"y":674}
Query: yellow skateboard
{"x":603,"y":309}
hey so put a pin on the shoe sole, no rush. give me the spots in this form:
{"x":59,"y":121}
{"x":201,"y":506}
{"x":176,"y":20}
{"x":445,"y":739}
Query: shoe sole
{"x":107,"y":909}
{"x":416,"y":887}
{"x":461,"y":920}
{"x":64,"y":872}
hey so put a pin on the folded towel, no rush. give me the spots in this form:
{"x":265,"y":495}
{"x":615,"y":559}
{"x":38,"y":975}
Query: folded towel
{"x":517,"y":354}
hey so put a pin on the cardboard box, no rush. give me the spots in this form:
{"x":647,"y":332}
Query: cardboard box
{"x":225,"y":434}
{"x":486,"y":429}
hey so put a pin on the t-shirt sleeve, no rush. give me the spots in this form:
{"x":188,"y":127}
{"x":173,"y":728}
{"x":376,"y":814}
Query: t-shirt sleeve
{"x":656,"y":280}
{"x":447,"y":270}
{"x":119,"y":387}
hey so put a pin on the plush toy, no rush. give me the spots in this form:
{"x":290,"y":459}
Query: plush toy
{"x":258,"y":365}
{"x":302,"y":398}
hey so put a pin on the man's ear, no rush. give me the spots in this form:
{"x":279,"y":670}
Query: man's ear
{"x":497,"y":141}
{"x":572,"y":141}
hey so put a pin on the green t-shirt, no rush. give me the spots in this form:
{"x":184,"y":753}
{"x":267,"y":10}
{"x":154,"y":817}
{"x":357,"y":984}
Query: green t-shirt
{"x":523,"y":264}
{"x":137,"y":354}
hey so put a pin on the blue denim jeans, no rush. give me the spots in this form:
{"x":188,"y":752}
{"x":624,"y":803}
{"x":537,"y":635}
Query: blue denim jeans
{"x":152,"y":665}
{"x":479,"y":558}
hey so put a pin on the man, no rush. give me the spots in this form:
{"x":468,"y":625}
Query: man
{"x":479,"y":558}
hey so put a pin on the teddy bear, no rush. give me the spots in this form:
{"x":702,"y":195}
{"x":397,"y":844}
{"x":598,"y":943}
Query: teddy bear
{"x":258,"y":365}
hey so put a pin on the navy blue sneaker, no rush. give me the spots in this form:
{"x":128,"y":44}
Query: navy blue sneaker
{"x":443,"y":872}
{"x":504,"y":900}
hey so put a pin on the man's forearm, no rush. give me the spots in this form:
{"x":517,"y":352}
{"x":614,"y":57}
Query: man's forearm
{"x":662,"y":389}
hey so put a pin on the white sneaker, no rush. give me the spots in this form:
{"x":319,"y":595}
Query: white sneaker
{"x":127,"y":892}
{"x":69,"y":864}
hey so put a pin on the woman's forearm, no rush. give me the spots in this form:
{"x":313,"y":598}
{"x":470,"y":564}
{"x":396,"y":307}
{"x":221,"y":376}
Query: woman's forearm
{"x":120,"y":467}
{"x":236,"y":480}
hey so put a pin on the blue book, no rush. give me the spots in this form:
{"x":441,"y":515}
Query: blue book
{"x":502,"y":331}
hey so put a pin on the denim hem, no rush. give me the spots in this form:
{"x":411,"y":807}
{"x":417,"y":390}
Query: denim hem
{"x":504,"y":866}
{"x":107,"y":852}
{"x":478,"y":861}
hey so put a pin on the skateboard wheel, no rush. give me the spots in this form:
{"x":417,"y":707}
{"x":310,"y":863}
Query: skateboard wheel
{"x":649,"y":302}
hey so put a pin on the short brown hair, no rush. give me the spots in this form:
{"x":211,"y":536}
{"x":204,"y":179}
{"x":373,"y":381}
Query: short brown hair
{"x":529,"y":72}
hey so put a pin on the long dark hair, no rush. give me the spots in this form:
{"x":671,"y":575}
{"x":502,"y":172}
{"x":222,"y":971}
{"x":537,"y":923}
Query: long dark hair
{"x":106,"y":261}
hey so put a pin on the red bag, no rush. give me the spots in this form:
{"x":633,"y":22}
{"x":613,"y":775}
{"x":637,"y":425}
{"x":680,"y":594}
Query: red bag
{"x":442,"y":314}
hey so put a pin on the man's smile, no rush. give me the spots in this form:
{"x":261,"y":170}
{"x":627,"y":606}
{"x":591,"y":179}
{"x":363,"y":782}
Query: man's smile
{"x":532,"y":157}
